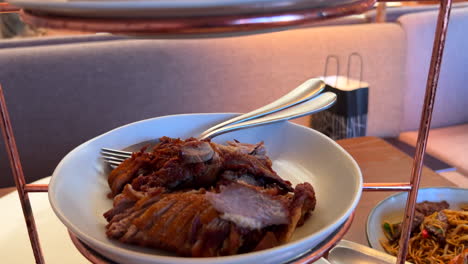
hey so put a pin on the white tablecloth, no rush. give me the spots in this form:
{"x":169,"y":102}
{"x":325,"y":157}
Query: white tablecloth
{"x":15,"y":247}
{"x":57,"y":247}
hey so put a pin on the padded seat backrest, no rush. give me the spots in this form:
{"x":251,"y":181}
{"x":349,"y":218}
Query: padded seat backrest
{"x":60,"y":95}
{"x":452,"y":93}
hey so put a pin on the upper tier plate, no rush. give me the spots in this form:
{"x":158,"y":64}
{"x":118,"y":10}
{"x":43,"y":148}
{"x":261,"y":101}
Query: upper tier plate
{"x":174,"y":8}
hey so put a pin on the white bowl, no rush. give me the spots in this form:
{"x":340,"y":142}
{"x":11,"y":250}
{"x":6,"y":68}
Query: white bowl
{"x":78,"y":187}
{"x":392,"y":209}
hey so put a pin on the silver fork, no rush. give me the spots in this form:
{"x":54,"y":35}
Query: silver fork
{"x":303,"y":100}
{"x":114,"y":157}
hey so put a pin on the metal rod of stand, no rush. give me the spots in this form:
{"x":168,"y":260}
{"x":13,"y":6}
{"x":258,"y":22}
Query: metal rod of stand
{"x":423,"y":133}
{"x":383,"y":186}
{"x":36,"y":187}
{"x":20,"y":182}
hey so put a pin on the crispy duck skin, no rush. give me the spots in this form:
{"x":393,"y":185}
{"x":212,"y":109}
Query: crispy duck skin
{"x":300,"y":209}
{"x":202,"y":199}
{"x":126,"y":171}
{"x":128,"y":198}
{"x":181,"y":222}
{"x":200,"y":223}
{"x":254,"y":164}
{"x":180,"y":164}
{"x":173,"y":163}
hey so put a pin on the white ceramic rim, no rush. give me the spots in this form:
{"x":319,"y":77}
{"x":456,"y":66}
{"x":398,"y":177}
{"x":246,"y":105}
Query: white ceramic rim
{"x":116,"y":4}
{"x":170,"y":8}
{"x":111,"y":248}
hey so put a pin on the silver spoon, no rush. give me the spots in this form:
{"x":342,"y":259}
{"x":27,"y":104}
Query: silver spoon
{"x":314,"y":105}
{"x":319,"y":103}
{"x":347,"y":252}
{"x":303,"y":93}
{"x":306,"y":91}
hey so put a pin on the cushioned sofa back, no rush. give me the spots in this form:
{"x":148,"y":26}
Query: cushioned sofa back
{"x":60,"y":95}
{"x":452,"y":93}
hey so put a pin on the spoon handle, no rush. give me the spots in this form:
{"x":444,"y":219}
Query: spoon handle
{"x":317,"y":104}
{"x":348,"y":252}
{"x":306,"y":91}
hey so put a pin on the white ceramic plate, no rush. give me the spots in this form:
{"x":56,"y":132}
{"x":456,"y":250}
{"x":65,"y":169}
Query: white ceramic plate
{"x":78,"y":187}
{"x":392,"y":209}
{"x":169,"y":8}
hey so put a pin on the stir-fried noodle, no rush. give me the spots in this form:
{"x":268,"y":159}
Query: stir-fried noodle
{"x":440,"y":237}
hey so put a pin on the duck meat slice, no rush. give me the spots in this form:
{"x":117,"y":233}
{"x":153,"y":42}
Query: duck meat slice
{"x":178,"y":174}
{"x":123,"y":201}
{"x":301,"y":206}
{"x":251,"y":165}
{"x":120,"y":222}
{"x":249,"y":206}
{"x":127,"y":171}
{"x":254,"y":208}
{"x":240,"y":159}
{"x":269,"y":240}
{"x":205,"y":223}
{"x":171,"y":162}
{"x":199,"y":230}
{"x":304,"y":199}
{"x":231,"y":176}
{"x":256,"y":150}
{"x":177,"y":164}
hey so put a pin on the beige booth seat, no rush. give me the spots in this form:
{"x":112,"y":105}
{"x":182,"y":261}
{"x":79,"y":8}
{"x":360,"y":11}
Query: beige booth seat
{"x":63,"y":93}
{"x":448,"y":138}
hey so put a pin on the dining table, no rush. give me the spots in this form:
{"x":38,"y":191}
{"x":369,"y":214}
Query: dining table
{"x":378,"y":160}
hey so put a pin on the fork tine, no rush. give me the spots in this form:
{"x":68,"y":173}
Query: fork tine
{"x":113,"y":163}
{"x":110,"y":158}
{"x":121,"y":152}
{"x":114,"y":157}
{"x":106,"y":152}
{"x":122,"y":157}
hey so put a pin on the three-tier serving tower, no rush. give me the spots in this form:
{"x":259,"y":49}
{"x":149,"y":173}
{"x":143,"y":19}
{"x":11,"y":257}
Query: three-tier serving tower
{"x":230,"y":24}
